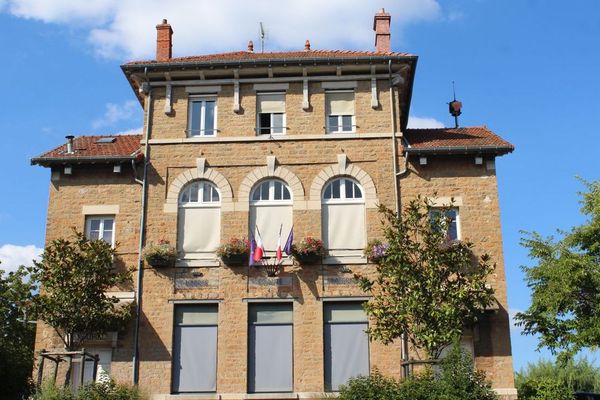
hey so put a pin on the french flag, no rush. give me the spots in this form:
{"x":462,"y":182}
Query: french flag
{"x":257,"y":253}
{"x":289,"y":242}
{"x":279,"y":254}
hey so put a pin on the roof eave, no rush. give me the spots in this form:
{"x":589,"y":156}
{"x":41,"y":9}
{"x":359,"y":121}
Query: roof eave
{"x":50,"y":161}
{"x":455,"y":150}
{"x":261,"y":61}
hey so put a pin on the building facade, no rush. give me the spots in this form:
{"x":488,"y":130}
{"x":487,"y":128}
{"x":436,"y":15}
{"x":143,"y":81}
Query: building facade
{"x":252,"y":144}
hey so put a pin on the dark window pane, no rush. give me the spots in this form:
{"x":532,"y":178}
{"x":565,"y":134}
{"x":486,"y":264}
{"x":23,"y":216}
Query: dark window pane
{"x":206,"y":193}
{"x":349,"y":189}
{"x":327,"y":194}
{"x":346,"y":123}
{"x":335,"y":186}
{"x":195,"y":113}
{"x":194,"y":193}
{"x":333,"y":123}
{"x":286,"y":194}
{"x":264,"y":124}
{"x":264,"y":191}
{"x":209,"y":118}
{"x":278,"y":191}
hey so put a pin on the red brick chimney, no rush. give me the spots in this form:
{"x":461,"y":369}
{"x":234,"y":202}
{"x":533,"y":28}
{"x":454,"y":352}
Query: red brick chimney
{"x":381,"y":26}
{"x":164,"y":42}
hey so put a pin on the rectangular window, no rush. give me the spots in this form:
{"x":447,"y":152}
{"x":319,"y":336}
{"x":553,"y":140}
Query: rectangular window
{"x":202,"y":116}
{"x":339,"y":107}
{"x":103,"y":369}
{"x":451,"y":216}
{"x":270,"y":114}
{"x":346,"y":342}
{"x":100,"y":227}
{"x":195,"y":348}
{"x":270,"y":347}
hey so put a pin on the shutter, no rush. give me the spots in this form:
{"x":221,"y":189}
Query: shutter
{"x":195,"y":349}
{"x":339,"y":103}
{"x":271,"y":103}
{"x":269,"y":218}
{"x":199,"y":229}
{"x":270,"y":347}
{"x":344,"y":228}
{"x":346,"y":343}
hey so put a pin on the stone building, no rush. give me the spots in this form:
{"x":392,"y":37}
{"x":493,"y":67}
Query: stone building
{"x":255,"y":143}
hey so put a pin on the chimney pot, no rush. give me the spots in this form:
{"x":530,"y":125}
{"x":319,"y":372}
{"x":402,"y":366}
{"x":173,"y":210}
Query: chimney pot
{"x":381,"y":26}
{"x":164,"y":41}
{"x":70,"y":149}
{"x":250,"y":46}
{"x":307,"y":45}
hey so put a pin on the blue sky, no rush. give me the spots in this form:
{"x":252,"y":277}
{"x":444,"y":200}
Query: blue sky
{"x":528,"y":69}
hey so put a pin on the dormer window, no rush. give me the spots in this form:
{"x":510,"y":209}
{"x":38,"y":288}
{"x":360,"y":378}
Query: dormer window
{"x":339,"y":107}
{"x":270,"y":114}
{"x":202,"y":116}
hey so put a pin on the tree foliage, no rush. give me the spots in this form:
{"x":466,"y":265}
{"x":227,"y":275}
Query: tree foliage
{"x":426,"y":286}
{"x":565,"y":284}
{"x":577,"y":376}
{"x":16,"y":333}
{"x":74,"y":276}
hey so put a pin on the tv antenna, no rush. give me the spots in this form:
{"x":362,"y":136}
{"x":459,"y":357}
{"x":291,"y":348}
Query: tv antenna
{"x":454,"y":107}
{"x":262,"y":38}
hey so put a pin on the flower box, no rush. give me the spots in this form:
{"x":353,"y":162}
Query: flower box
{"x":308,"y":258}
{"x":158,"y":261}
{"x":161,"y":255}
{"x":309,"y":251}
{"x":235,"y":259}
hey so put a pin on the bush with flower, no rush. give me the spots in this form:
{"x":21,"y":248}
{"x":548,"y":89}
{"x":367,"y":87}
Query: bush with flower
{"x":375,"y":250}
{"x":309,"y":250}
{"x":234,"y":247}
{"x":161,"y":254}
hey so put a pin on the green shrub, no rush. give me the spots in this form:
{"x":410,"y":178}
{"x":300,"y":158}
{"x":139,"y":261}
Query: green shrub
{"x":544,"y":389}
{"x":374,"y":387}
{"x":577,"y":376}
{"x":456,"y":380}
{"x":96,"y":391}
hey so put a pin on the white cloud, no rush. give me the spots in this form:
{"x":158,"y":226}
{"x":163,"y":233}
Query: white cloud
{"x":133,"y":131}
{"x":115,"y":113}
{"x":424,"y":122}
{"x":126,"y":28}
{"x":12,"y":256}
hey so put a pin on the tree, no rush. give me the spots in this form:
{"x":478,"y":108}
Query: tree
{"x":74,"y":276}
{"x":426,"y":287}
{"x":565,"y":284}
{"x":16,"y":334}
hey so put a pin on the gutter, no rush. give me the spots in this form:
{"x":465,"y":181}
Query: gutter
{"x":256,"y":62}
{"x":47,"y":161}
{"x":499,"y":150}
{"x":140,"y":266}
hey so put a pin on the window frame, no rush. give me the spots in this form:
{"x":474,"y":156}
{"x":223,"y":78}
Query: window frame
{"x":342,"y":199}
{"x":102,"y":219}
{"x":271,"y":200}
{"x":259,"y":128}
{"x":340,"y":125}
{"x":200,"y":202}
{"x":440,"y":210}
{"x":202,"y":99}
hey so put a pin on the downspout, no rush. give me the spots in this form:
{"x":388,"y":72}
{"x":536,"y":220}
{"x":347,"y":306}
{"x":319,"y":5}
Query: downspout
{"x":394,"y":147}
{"x":140,"y":263}
{"x":404,"y":339}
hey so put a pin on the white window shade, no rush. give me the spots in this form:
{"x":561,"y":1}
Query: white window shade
{"x":344,"y":228}
{"x":104,"y":360}
{"x":199,"y":230}
{"x":339,"y":103}
{"x":271,"y":103}
{"x":268,"y":219}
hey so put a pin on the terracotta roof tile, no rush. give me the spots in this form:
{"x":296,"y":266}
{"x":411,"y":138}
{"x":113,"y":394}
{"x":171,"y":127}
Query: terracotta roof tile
{"x":246,"y":55}
{"x":87,"y":147}
{"x":475,"y":138}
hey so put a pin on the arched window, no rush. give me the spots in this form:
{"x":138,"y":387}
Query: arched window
{"x":199,"y":220}
{"x":270,"y":212}
{"x":343,"y":217}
